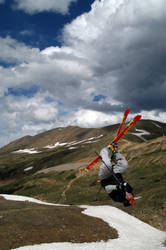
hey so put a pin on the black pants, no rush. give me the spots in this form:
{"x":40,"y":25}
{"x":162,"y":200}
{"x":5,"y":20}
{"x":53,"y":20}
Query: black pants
{"x":118,"y":195}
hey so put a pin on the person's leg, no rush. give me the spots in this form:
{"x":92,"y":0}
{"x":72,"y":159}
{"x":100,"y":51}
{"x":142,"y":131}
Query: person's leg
{"x":118,"y":195}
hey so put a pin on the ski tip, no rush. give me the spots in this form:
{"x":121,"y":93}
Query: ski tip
{"x":127,"y":111}
{"x":137,"y":197}
{"x":131,"y":201}
{"x":138,"y":117}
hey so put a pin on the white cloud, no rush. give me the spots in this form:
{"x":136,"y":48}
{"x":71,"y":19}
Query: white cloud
{"x":54,"y":69}
{"x":32,"y":7}
{"x":35,"y":109}
{"x":2,"y":1}
{"x":154,"y":115}
{"x":13,"y":51}
{"x":123,"y":42}
{"x":91,"y":118}
{"x":116,"y":50}
{"x":28,"y":115}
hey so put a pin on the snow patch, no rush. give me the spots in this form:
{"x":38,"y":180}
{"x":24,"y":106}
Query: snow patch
{"x":133,"y":233}
{"x":27,"y":199}
{"x":72,"y":143}
{"x":94,"y":138}
{"x":57,"y":144}
{"x":157,"y":125}
{"x":28,"y":151}
{"x":28,"y":169}
{"x":141,"y":133}
{"x":72,"y":148}
{"x":88,"y":142}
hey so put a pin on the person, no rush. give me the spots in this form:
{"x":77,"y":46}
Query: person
{"x":114,"y":164}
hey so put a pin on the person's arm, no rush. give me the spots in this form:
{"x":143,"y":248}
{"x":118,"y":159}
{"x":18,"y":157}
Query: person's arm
{"x":121,"y":164}
{"x":105,"y":157}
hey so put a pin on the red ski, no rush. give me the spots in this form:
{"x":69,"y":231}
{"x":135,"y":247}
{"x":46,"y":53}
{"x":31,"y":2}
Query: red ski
{"x":123,"y":120}
{"x":129,"y":126}
{"x":119,"y":135}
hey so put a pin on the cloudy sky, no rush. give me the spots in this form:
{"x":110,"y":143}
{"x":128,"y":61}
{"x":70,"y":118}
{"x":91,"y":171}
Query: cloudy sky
{"x":76,"y":62}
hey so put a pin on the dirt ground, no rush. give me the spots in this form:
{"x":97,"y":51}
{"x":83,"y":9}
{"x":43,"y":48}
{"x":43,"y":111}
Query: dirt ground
{"x":25,"y":223}
{"x":63,"y":167}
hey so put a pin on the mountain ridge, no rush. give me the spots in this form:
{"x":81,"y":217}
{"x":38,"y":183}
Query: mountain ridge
{"x":75,"y":133}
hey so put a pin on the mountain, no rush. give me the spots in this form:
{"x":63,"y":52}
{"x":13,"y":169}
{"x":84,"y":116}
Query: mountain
{"x":50,"y":166}
{"x":67,"y":145}
{"x":51,"y":137}
{"x":72,"y":135}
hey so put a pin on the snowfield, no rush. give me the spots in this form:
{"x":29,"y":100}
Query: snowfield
{"x":141,"y":133}
{"x":133,"y":233}
{"x":27,"y":199}
{"x":27,"y":151}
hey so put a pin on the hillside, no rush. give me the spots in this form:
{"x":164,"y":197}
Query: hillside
{"x":67,"y":145}
{"x":71,"y":136}
{"x":69,"y":228}
{"x":53,"y":171}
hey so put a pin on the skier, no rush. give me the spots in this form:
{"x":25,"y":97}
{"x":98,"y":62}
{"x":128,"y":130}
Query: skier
{"x":113,"y":166}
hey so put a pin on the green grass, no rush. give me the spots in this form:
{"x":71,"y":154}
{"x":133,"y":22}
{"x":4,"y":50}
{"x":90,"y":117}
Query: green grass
{"x":81,"y":191}
{"x":147,"y":174}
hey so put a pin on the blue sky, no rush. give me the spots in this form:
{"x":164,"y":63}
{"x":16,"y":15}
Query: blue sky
{"x":75,"y":62}
{"x":41,"y":29}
